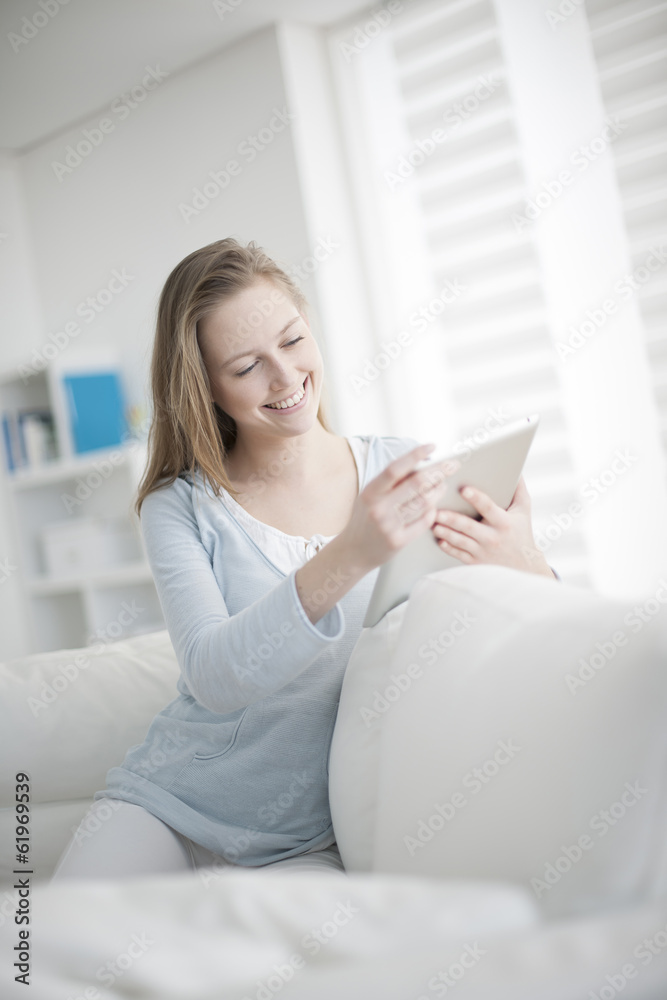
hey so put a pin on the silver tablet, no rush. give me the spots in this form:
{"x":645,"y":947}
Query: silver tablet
{"x":494,"y":467}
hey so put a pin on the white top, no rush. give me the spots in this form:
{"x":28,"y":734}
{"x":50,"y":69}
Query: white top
{"x":288,"y":552}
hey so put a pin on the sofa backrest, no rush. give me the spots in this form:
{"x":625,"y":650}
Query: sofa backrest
{"x":66,"y":718}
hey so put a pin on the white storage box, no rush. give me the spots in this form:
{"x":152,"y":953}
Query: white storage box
{"x":84,"y":545}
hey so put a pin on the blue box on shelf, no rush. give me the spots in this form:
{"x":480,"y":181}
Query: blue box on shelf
{"x":97,"y":409}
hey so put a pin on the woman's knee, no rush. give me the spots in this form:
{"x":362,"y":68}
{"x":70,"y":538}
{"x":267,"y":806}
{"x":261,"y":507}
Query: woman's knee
{"x":117,"y":839}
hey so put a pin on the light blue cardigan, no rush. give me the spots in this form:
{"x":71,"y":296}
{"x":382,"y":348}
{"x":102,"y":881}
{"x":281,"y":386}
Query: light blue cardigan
{"x":239,"y":760}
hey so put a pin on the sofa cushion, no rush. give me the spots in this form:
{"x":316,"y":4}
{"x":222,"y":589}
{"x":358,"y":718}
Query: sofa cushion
{"x":52,"y":825}
{"x":354,"y":758}
{"x":68,"y":716}
{"x":327,"y":936}
{"x":531,"y":746}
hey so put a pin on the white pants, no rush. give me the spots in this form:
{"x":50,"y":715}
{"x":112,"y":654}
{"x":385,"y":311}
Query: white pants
{"x":131,"y":842}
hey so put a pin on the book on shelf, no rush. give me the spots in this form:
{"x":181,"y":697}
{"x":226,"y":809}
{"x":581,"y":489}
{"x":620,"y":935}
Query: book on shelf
{"x":96,"y":405}
{"x":28,"y":438}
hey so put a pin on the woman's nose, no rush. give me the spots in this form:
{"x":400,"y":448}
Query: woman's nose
{"x":283,"y":374}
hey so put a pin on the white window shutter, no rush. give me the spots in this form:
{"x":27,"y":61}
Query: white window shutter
{"x":441,"y":66}
{"x":630,"y":45}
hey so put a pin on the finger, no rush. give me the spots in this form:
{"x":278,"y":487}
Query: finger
{"x":521,"y":496}
{"x":412,"y":529}
{"x":466,"y":525}
{"x":398,"y":469}
{"x":413,"y":508}
{"x":457,"y":539}
{"x":451,"y":550}
{"x":484,"y":505}
{"x":423,"y":483}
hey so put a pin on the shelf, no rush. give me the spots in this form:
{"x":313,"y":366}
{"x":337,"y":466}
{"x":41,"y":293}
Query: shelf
{"x":64,"y":469}
{"x":139,"y":572}
{"x":106,"y":591}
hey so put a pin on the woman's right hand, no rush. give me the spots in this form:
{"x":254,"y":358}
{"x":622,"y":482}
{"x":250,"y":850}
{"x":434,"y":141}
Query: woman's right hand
{"x":395,"y":507}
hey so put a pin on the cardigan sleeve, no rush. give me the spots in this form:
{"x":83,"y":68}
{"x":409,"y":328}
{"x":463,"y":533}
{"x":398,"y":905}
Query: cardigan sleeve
{"x":216,"y":651}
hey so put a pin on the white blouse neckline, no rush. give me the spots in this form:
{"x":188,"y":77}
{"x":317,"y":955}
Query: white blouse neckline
{"x":317,"y":540}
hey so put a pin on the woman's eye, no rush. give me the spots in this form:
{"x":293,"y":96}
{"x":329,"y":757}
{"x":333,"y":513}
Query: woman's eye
{"x":288,"y":344}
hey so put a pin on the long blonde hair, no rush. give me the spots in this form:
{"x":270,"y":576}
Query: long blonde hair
{"x":188,"y":430}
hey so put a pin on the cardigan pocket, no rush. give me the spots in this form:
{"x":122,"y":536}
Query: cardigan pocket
{"x":223,"y":737}
{"x":231,"y":740}
{"x":271,"y":775}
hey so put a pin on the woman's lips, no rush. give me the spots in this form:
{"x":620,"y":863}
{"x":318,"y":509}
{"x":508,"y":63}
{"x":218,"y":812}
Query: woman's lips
{"x":297,"y":406}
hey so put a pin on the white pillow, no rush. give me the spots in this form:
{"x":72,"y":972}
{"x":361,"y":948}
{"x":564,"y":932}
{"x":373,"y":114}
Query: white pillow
{"x":354,"y":758}
{"x":306,"y":935}
{"x":558,"y":697}
{"x":66,"y":717}
{"x":69,"y":715}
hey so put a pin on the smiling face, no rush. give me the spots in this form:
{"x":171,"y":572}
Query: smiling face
{"x":258,"y":350}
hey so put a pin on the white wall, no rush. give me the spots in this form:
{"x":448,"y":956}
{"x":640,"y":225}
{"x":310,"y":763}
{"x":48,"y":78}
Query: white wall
{"x":331,"y":214}
{"x":20,"y":319}
{"x":20,"y":323}
{"x":119,"y":209}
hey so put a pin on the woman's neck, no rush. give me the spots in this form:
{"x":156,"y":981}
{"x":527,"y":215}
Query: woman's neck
{"x":291,"y":463}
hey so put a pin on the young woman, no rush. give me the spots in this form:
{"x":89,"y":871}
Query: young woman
{"x":264,"y":530}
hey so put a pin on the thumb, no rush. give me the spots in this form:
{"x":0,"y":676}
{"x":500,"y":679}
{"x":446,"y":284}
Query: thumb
{"x":521,"y":498}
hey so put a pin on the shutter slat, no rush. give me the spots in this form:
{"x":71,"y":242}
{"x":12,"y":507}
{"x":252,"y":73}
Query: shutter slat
{"x":630,"y":44}
{"x":448,"y":94}
{"x":491,"y":247}
{"x":443,"y":53}
{"x":621,"y":17}
{"x":427,"y":16}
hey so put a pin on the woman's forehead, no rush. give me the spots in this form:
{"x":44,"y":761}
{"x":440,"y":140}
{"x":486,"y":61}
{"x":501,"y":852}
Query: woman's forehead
{"x":249,"y":316}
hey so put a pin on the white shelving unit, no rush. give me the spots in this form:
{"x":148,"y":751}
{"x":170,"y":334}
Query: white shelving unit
{"x":115,"y":597}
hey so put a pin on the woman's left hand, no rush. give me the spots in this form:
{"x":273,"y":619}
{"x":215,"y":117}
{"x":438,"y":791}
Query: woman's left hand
{"x":502,"y":537}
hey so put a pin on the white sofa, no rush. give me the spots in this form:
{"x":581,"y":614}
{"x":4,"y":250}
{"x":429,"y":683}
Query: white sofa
{"x":454,"y":915}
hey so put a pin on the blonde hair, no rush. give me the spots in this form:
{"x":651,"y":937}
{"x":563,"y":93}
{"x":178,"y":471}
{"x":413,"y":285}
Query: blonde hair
{"x":188,"y":430}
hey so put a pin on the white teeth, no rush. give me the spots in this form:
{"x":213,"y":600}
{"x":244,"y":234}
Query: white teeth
{"x":292,"y":401}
